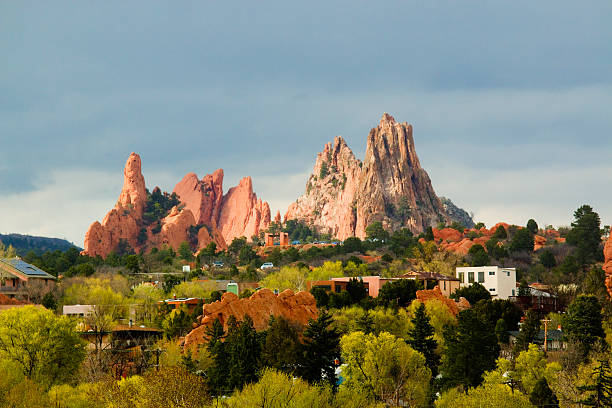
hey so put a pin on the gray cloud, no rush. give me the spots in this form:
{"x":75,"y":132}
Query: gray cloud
{"x":258,"y":88}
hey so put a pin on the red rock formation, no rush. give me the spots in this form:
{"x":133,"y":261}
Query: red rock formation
{"x":242,"y":214}
{"x":607,"y":266}
{"x":538,"y":242}
{"x":122,"y":222}
{"x":277,"y":217}
{"x":220,"y":218}
{"x":343,"y":196}
{"x":435,"y":294}
{"x":296,"y":307}
{"x":447,"y":234}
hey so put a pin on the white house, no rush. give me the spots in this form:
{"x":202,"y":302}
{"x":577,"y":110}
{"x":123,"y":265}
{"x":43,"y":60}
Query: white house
{"x":500,"y":282}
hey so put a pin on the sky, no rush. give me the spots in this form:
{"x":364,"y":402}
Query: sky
{"x":511,"y":102}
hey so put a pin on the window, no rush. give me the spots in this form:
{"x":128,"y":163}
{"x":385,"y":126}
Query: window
{"x":470,"y":277}
{"x":492,"y":290}
{"x":461,"y":276}
{"x":491,"y":273}
{"x":512,"y":292}
{"x":444,"y":285}
{"x":480,"y":277}
{"x":338,"y":289}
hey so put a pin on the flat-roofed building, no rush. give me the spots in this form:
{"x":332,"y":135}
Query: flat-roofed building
{"x":500,"y":282}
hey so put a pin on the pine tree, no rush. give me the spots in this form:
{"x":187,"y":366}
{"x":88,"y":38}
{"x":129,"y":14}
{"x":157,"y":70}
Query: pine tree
{"x":421,"y":339}
{"x":216,"y":373}
{"x":600,"y":393}
{"x":542,"y":396}
{"x":243,"y":353}
{"x":529,"y":331}
{"x":365,"y":322}
{"x":472,"y":349}
{"x":583,"y":322}
{"x":321,"y":347}
{"x":281,"y":346}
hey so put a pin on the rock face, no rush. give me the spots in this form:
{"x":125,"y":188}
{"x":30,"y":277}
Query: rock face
{"x":219,"y":218}
{"x":343,"y":195}
{"x":297,"y":307}
{"x":607,"y":267}
{"x":457,"y":214}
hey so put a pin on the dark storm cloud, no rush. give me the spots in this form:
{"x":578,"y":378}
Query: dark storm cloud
{"x":258,"y":87}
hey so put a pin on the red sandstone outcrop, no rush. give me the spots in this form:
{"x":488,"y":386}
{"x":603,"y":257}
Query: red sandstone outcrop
{"x":122,"y":222}
{"x":220,"y":218}
{"x":242,"y":213}
{"x":607,"y":266}
{"x":297,"y":307}
{"x":455,"y":306}
{"x":343,"y":196}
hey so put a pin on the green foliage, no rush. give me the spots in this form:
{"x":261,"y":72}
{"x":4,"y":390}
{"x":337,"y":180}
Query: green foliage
{"x":429,"y":236}
{"x":420,"y":338}
{"x":376,"y":232}
{"x":321,"y":346}
{"x":457,"y":226}
{"x":402,"y":241}
{"x":399,"y":293}
{"x":243,"y":351}
{"x":352,"y":244}
{"x":522,"y":241}
{"x":583,"y":322}
{"x":495,"y":249}
{"x":385,"y":369}
{"x":132,"y":263}
{"x":478,"y":255}
{"x":281,"y":346}
{"x":184,"y":251}
{"x":585,"y":235}
{"x":479,"y":225}
{"x":471,"y":349}
{"x":158,"y":205}
{"x":278,"y":390}
{"x":177,"y":323}
{"x":472,"y":293}
{"x":487,"y":396}
{"x":500,"y":233}
{"x":542,"y":396}
{"x":44,"y":347}
{"x":324,"y":170}
{"x":288,"y":277}
{"x":599,"y":394}
{"x":501,"y":331}
{"x":493,"y":310}
{"x":529,"y":331}
{"x":532,"y":226}
{"x":320,"y":296}
{"x":547,"y":258}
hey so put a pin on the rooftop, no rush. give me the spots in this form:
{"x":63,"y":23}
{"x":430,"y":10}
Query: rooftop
{"x":16,"y":265}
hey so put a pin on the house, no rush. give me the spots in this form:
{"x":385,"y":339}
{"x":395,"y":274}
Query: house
{"x":554,"y":339}
{"x":189,"y":303}
{"x":335,"y":286}
{"x":16,"y":275}
{"x":500,"y":282}
{"x":446,"y":284}
{"x":373,"y":283}
{"x":77,"y":310}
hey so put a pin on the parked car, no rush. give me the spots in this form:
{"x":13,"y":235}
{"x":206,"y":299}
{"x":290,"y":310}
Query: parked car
{"x":267,"y":265}
{"x":217,"y":264}
{"x":296,"y":242}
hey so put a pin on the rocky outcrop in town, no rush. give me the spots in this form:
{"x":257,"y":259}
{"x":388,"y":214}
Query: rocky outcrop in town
{"x":454,"y":306}
{"x":344,"y":195}
{"x":607,"y":266}
{"x":298,"y":308}
{"x":198,"y":212}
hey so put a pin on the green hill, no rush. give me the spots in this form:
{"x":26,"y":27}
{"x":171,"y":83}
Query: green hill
{"x":25,"y":243}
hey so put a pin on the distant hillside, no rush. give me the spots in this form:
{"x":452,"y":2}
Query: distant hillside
{"x":25,"y":243}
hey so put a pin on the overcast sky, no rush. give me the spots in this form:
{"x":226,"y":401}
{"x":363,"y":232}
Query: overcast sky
{"x":511,"y":102}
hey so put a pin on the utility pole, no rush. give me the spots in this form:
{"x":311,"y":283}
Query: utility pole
{"x":546,"y":321}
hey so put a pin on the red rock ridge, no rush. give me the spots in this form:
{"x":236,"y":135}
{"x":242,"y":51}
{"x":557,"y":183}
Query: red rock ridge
{"x":297,"y":307}
{"x":221,"y":217}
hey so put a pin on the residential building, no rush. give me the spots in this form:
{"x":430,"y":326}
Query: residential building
{"x":500,"y":282}
{"x":373,"y":283}
{"x":16,"y":275}
{"x":335,"y":286}
{"x":446,"y":284}
{"x":77,"y":310}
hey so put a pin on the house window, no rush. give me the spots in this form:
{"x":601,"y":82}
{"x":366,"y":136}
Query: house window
{"x":338,"y":289}
{"x":461,"y":276}
{"x":444,"y":285}
{"x":512,"y":292}
{"x":470,"y":277}
{"x":491,"y":273}
{"x":492,"y":290}
{"x":480,"y":277}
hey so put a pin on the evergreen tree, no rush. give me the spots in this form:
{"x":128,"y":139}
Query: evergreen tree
{"x":216,"y":373}
{"x":542,"y":396}
{"x":321,"y":347}
{"x":600,"y":393}
{"x":365,"y":322}
{"x":429,"y":235}
{"x":421,"y":339}
{"x":500,"y":233}
{"x":478,"y":255}
{"x":532,"y":226}
{"x":472,"y":349}
{"x":501,"y":331}
{"x":281,"y":346}
{"x":522,"y":241}
{"x":583,"y":322}
{"x":472,"y":293}
{"x":585,"y":236}
{"x":547,"y":258}
{"x":356,"y":290}
{"x":529,"y":330}
{"x":243,"y":353}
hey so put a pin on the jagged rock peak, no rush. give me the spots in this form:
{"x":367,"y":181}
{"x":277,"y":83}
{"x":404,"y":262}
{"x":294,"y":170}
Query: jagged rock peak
{"x":134,"y":193}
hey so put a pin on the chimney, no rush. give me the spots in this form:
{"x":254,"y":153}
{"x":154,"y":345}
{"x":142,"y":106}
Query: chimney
{"x":559,"y":327}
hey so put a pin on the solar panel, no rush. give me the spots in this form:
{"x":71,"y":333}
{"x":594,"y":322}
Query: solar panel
{"x":26,"y":268}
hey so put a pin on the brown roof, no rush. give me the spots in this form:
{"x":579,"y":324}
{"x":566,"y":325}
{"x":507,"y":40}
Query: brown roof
{"x":428,"y":276}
